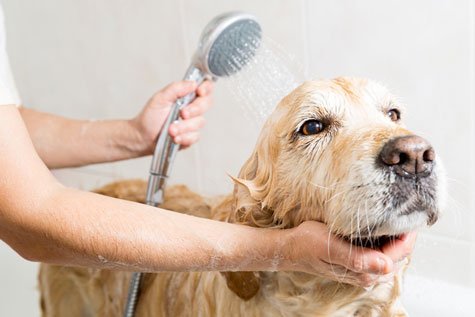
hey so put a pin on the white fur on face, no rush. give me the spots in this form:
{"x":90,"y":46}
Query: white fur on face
{"x":337,"y":174}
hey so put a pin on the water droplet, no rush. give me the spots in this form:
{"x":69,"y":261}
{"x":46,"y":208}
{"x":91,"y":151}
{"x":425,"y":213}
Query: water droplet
{"x":263,"y":79}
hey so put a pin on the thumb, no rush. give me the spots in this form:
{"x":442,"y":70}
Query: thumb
{"x":400,"y":247}
{"x":177,"y":90}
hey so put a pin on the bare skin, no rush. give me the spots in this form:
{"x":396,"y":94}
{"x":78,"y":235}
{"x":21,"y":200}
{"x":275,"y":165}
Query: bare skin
{"x":47,"y":222}
{"x":60,"y":142}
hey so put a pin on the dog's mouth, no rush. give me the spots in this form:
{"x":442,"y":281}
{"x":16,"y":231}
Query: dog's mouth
{"x":378,"y":242}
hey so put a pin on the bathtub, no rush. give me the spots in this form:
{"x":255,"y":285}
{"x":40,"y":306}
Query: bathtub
{"x":425,"y":297}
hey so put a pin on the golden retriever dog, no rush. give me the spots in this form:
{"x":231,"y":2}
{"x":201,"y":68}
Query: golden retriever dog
{"x":334,"y":151}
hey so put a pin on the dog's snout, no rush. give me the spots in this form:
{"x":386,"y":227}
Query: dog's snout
{"x":409,"y":156}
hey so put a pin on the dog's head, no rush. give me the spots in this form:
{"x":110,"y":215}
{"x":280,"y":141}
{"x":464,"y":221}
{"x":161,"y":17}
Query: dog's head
{"x":337,"y":151}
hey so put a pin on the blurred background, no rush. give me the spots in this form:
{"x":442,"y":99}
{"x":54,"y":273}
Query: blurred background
{"x":103,"y":59}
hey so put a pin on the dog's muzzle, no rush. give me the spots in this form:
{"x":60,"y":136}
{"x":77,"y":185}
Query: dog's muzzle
{"x":408,"y":156}
{"x":411,"y":159}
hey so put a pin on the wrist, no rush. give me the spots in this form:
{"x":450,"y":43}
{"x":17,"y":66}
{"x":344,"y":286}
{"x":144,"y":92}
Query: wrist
{"x":270,"y":249}
{"x":284,"y":250}
{"x":139,"y":142}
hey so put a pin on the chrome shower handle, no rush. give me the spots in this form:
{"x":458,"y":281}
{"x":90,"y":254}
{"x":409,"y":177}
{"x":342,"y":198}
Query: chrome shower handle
{"x":166,"y":149}
{"x":162,"y":161}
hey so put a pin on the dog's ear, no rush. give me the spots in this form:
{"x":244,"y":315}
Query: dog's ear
{"x":249,"y":207}
{"x":252,"y":190}
{"x":243,"y":284}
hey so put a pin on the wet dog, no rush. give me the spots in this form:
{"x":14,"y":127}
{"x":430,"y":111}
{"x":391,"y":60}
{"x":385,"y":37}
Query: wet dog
{"x":334,"y":151}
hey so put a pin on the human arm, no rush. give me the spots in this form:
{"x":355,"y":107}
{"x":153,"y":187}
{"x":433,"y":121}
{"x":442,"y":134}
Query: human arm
{"x":44,"y":221}
{"x":62,"y":142}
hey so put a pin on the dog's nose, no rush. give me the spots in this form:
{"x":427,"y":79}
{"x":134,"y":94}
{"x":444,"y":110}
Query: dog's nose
{"x":409,"y":156}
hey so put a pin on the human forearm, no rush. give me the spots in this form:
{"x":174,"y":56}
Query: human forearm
{"x":70,"y":227}
{"x":44,"y":221}
{"x":62,"y":142}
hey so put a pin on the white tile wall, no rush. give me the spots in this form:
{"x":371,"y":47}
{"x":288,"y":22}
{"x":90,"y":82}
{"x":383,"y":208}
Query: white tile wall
{"x":103,"y":59}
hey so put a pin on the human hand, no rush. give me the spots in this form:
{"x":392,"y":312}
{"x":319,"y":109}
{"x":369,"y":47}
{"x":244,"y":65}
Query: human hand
{"x":400,"y":248}
{"x":150,"y":120}
{"x":313,"y":249}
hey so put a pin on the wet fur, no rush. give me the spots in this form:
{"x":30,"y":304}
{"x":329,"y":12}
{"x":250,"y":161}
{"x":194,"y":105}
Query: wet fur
{"x":333,"y":177}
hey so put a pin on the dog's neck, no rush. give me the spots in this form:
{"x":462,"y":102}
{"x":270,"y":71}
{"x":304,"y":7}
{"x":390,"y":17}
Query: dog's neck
{"x":284,"y":289}
{"x":253,"y":215}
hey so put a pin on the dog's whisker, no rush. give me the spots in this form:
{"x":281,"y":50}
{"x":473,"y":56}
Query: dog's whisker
{"x":457,"y":181}
{"x":338,"y":194}
{"x":351,"y":239}
{"x":367,"y":225}
{"x":325,"y":187}
{"x":358,"y":225}
{"x":346,"y":271}
{"x":339,"y":278}
{"x":373,"y":227}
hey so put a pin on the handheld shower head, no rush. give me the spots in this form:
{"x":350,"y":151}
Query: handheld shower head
{"x":227,"y":44}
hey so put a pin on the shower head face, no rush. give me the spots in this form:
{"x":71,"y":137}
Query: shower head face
{"x":228,"y":43}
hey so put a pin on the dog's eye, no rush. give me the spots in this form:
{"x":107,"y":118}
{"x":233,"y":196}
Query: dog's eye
{"x":394,"y":114}
{"x":311,"y":127}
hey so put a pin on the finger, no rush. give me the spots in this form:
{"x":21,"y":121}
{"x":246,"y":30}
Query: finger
{"x":344,"y":275}
{"x":401,"y":247}
{"x":184,"y":147}
{"x":197,"y":108}
{"x":402,"y":264}
{"x":385,"y":278}
{"x":186,"y":126}
{"x":205,"y":88}
{"x":175,"y":90}
{"x":186,"y":139}
{"x":357,"y":259}
{"x":338,"y":273}
{"x":367,"y":280}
